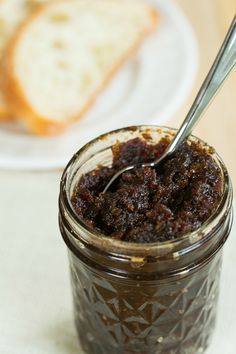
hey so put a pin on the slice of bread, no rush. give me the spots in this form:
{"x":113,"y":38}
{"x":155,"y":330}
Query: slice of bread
{"x":12,"y":13}
{"x":66,"y":53}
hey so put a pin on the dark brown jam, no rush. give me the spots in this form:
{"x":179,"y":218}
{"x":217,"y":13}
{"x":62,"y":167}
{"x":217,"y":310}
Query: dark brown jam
{"x":150,"y":204}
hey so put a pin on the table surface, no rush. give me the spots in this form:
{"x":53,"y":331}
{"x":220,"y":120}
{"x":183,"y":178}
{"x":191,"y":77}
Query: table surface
{"x":18,"y":190}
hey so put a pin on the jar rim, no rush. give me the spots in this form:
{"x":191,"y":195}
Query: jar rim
{"x":111,"y":245}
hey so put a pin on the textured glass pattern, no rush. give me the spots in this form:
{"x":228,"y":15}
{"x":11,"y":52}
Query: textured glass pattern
{"x":121,"y":316}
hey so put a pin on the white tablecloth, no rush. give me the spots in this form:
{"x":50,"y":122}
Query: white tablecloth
{"x":35,"y":299}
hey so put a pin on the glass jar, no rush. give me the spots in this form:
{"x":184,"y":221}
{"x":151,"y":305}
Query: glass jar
{"x":129,"y":298}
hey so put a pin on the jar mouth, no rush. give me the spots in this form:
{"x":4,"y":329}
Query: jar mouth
{"x":113,"y":246}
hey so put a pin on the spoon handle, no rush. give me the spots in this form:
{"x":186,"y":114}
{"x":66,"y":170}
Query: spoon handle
{"x":222,"y":66}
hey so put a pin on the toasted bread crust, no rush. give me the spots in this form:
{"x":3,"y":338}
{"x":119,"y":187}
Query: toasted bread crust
{"x":4,"y":113}
{"x":14,"y":93}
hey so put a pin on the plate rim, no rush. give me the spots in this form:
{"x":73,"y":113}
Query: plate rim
{"x":177,"y":15}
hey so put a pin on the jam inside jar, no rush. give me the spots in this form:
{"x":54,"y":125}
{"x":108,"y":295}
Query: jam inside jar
{"x":155,"y":298}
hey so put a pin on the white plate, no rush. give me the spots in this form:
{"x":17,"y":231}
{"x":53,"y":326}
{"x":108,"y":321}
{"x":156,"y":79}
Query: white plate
{"x":149,"y":89}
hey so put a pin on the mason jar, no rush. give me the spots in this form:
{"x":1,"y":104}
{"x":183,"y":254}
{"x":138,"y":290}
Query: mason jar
{"x":156,"y":298}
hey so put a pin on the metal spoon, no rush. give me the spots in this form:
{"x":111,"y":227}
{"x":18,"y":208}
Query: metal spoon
{"x":222,"y":66}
